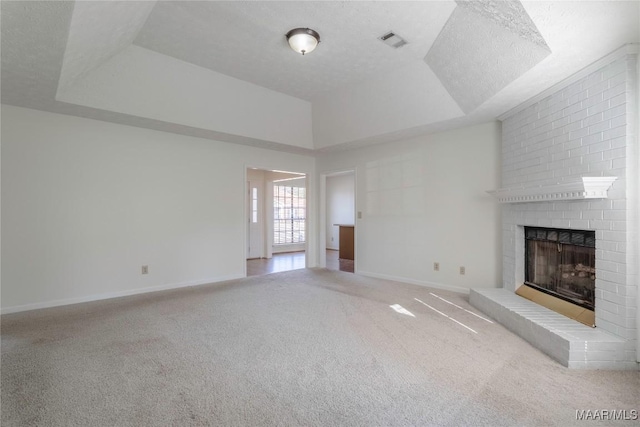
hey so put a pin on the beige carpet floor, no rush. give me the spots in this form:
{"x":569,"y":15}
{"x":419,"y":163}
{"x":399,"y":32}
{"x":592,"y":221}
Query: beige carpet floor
{"x":306,"y":347}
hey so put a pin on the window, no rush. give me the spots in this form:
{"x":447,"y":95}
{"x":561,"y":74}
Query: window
{"x":254,"y":205}
{"x":289,"y":214}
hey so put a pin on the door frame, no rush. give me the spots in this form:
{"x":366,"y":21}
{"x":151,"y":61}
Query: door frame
{"x":268,"y":215}
{"x":322,"y":226}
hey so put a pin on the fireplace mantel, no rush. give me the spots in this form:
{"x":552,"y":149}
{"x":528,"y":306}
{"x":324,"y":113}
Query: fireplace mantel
{"x":585,"y":188}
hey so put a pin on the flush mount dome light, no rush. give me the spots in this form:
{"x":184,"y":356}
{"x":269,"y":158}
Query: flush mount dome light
{"x":303,"y":40}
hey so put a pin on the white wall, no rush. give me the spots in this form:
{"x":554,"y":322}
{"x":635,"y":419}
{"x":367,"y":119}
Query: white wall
{"x":340,"y":206}
{"x":87,"y":203}
{"x":364,"y":110}
{"x":291,"y":181}
{"x":424,"y":200}
{"x":636,"y":131}
{"x":144,"y":83}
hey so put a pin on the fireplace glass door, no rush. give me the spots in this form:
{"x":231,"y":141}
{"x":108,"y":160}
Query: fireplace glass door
{"x":562,"y":263}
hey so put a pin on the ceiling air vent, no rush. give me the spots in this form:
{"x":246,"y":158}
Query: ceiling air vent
{"x":393,"y":40}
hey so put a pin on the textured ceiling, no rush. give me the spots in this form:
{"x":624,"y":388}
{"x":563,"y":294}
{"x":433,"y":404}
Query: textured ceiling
{"x":34,"y":36}
{"x":98,"y":31}
{"x":483,"y":47}
{"x":485,"y":57}
{"x":508,"y":14}
{"x":246,"y":39}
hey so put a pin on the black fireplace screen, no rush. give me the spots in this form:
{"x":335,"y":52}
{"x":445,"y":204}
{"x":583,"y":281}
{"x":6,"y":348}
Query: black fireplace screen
{"x":562,"y":263}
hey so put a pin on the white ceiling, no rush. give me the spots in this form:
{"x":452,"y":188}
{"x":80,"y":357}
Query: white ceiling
{"x":483,"y":47}
{"x":246,"y":39}
{"x":222,"y":70}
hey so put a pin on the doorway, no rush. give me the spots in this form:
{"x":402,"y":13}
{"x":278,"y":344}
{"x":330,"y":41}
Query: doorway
{"x":339,"y":220}
{"x":276,"y":204}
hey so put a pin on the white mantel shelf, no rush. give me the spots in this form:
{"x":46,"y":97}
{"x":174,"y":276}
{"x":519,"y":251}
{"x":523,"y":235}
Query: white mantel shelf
{"x":585,"y":188}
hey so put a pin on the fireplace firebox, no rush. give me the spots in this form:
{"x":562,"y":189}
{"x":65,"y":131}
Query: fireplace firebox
{"x":562,"y":263}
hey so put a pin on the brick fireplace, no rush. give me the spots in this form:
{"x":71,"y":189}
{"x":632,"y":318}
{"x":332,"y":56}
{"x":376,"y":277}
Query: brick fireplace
{"x":582,"y":129}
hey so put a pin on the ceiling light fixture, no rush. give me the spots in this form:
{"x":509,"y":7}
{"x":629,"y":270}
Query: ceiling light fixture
{"x":303,"y":40}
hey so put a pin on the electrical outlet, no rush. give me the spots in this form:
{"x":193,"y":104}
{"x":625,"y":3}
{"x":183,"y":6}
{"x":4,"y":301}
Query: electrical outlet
{"x":462,"y":270}
{"x":359,"y":215}
{"x":145,"y":269}
{"x":332,"y":238}
{"x":436,"y":266}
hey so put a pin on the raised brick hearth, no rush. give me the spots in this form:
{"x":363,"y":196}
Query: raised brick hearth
{"x":571,"y":343}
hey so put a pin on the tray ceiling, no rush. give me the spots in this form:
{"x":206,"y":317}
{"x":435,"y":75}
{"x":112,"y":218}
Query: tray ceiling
{"x":222,"y":70}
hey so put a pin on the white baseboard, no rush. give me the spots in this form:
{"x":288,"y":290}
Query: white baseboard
{"x":293,"y":247}
{"x":451,"y":288}
{"x":109,"y":295}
